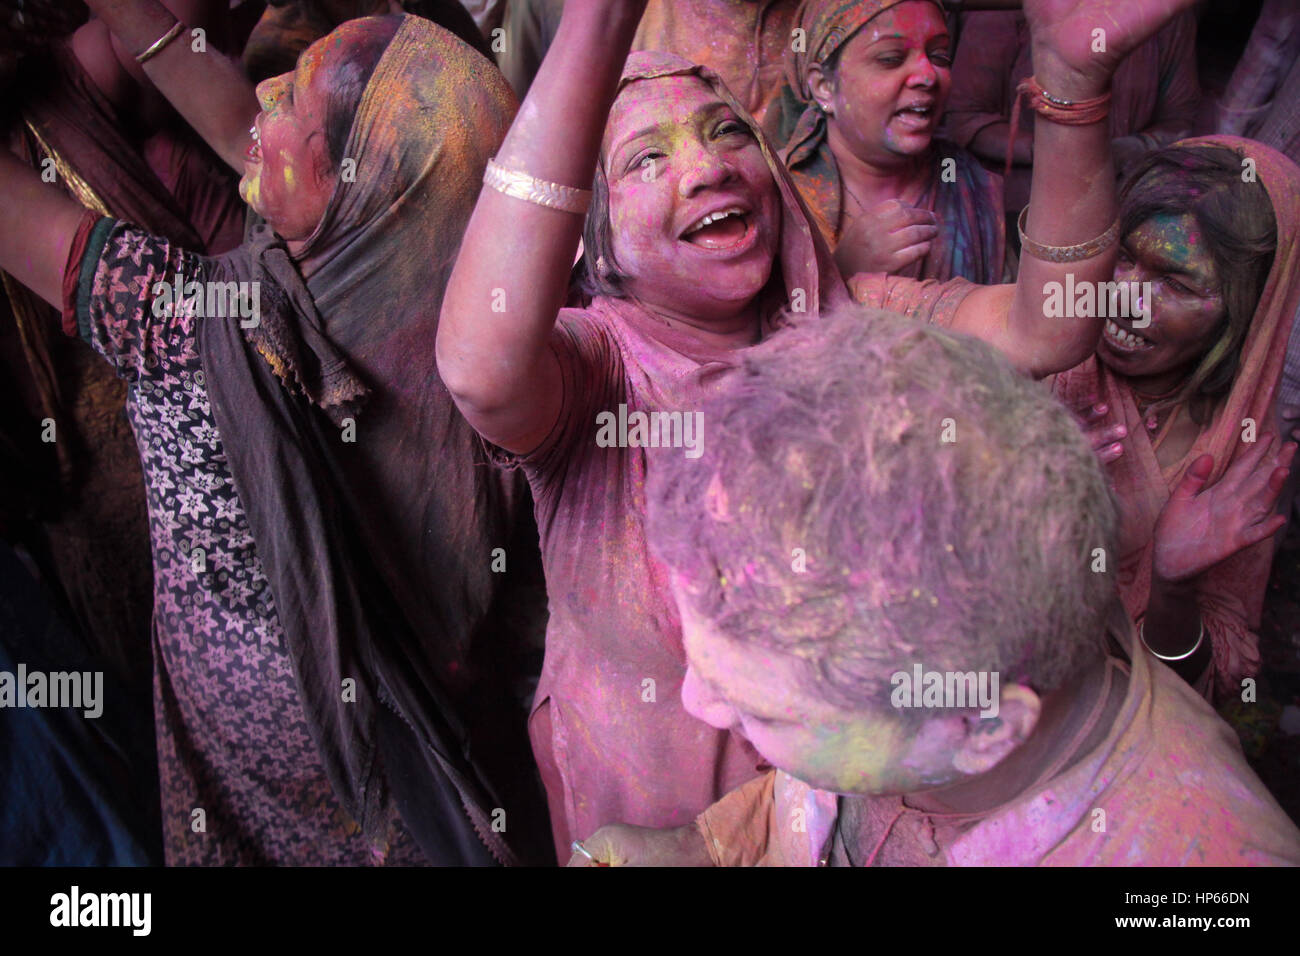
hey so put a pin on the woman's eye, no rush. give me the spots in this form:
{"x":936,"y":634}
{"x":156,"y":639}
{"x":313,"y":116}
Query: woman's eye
{"x":731,"y":128}
{"x":890,"y":61}
{"x":646,"y":160}
{"x":943,"y":59}
{"x":1176,"y":286}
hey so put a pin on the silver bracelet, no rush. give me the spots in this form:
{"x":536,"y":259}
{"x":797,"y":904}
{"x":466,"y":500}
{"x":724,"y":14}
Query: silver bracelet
{"x":539,"y":192}
{"x":1180,"y":657}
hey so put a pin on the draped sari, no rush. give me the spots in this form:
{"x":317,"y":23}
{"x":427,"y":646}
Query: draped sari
{"x":611,"y":736}
{"x":1230,"y":595}
{"x":381,"y":544}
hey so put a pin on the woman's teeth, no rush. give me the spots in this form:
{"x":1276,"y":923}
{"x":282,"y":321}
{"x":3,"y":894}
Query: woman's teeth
{"x":1125,"y":340}
{"x":712,"y":218}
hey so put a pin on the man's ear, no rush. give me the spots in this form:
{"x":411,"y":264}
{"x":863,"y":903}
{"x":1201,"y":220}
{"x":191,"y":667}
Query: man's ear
{"x":822,"y":85}
{"x":990,"y":740}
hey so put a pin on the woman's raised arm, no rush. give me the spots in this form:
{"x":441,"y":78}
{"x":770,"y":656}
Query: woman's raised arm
{"x":207,"y":88}
{"x":37,"y":224}
{"x":510,"y":280}
{"x":1077,"y":45}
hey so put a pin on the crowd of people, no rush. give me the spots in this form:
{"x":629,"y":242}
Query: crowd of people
{"x":642,"y":432}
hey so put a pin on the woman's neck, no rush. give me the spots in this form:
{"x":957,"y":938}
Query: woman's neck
{"x":1155,"y":387}
{"x":734,"y":332}
{"x":867,"y":184}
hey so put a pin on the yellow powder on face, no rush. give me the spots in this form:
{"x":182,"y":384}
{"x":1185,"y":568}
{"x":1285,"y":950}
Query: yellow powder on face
{"x":288,"y":176}
{"x":249,"y":191}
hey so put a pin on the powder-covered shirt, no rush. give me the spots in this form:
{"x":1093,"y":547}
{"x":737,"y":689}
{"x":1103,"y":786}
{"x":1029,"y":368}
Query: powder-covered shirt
{"x":927,"y":300}
{"x":1168,"y":786}
{"x":241,"y":779}
{"x":611,"y":737}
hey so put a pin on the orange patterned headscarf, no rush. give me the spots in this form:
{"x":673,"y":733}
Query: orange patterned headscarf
{"x":827,"y":25}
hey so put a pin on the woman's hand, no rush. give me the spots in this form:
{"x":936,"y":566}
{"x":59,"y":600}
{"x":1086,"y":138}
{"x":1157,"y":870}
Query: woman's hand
{"x":1106,"y":440}
{"x":888,"y":237}
{"x":1074,"y":60}
{"x":1200,"y":526}
{"x":621,"y":844}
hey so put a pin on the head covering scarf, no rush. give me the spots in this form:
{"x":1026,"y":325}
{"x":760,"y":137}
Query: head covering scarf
{"x":827,"y":26}
{"x":973,"y":242}
{"x":370,"y":498}
{"x":1232,"y":591}
{"x":602,"y":760}
{"x":803,"y":260}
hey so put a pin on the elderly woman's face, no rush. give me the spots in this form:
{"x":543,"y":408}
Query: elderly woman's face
{"x":889,"y":92}
{"x":288,"y":178}
{"x":1187,"y":308}
{"x":693,"y":208}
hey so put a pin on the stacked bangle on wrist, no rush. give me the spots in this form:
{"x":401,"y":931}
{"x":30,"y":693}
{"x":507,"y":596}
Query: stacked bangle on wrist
{"x":1055,"y":109}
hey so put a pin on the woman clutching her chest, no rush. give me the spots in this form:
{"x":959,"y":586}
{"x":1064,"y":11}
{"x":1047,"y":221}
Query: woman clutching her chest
{"x":1182,"y":403}
{"x":857,"y":129}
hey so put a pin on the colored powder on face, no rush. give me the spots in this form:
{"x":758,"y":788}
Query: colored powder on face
{"x":249,"y":192}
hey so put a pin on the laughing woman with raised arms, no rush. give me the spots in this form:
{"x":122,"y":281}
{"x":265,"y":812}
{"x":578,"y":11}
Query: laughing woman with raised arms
{"x":695,"y":244}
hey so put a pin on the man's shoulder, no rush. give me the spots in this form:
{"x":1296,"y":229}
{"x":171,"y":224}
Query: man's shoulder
{"x":1186,"y":791}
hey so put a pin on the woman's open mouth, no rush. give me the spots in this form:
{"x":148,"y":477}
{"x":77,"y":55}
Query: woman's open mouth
{"x":254,"y":152}
{"x":916,"y":117}
{"x":726,"y":230}
{"x":1122,"y":340}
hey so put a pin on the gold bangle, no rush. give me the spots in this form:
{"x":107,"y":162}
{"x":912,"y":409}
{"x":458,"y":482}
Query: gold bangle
{"x":1076,"y":253}
{"x":159,"y":44}
{"x":1163,"y":657}
{"x":537,"y":191}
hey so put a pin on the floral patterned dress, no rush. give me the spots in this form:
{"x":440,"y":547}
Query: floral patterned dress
{"x":242,"y":782}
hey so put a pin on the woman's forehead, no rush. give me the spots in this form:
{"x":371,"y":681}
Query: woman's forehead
{"x":671,"y":99}
{"x":918,"y":18}
{"x":325,"y":53}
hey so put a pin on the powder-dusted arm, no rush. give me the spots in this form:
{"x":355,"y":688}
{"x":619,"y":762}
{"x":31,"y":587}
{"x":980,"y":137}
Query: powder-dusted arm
{"x":511,"y":277}
{"x":37,"y":226}
{"x":1072,"y":196}
{"x":207,"y":88}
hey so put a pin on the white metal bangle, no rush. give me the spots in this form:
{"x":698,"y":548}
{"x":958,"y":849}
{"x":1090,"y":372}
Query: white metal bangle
{"x":1180,"y":657}
{"x":520,"y":185}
